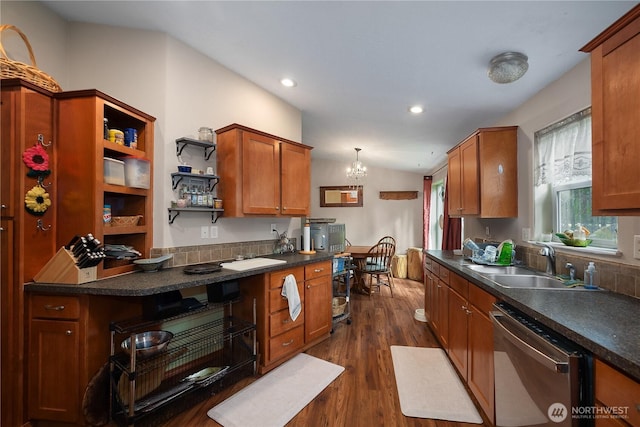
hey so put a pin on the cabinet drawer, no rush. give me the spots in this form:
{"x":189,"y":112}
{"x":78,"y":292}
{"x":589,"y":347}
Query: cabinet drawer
{"x":280,"y":322}
{"x":443,"y":274}
{"x":55,"y":307}
{"x":482,"y":300}
{"x":317,"y":270}
{"x":435,"y":268}
{"x":276,"y":278}
{"x":428,"y":264}
{"x":286,"y":343}
{"x":277,"y":302}
{"x":614,"y":389}
{"x":459,"y":284}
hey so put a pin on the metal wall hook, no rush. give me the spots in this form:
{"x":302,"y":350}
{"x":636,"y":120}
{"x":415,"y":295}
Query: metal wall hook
{"x":41,"y":140}
{"x":42,"y":184}
{"x":40,"y":226}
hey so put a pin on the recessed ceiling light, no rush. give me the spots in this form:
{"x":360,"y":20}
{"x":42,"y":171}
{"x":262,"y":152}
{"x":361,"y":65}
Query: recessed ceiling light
{"x":416,"y":109}
{"x":288,"y":82}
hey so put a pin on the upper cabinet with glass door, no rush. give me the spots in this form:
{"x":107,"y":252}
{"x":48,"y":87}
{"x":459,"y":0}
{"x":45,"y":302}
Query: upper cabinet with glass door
{"x":615,"y":84}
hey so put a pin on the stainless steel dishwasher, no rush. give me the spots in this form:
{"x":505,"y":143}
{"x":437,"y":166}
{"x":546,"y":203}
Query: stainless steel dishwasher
{"x":541,"y":378}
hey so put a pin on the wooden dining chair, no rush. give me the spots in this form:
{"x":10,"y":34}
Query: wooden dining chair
{"x":388,"y":239}
{"x":378,"y":266}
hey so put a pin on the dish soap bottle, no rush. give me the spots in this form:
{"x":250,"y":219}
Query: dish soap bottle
{"x":590,"y":276}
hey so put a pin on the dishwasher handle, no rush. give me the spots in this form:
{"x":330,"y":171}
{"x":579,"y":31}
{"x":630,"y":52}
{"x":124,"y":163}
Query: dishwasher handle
{"x":547,"y":361}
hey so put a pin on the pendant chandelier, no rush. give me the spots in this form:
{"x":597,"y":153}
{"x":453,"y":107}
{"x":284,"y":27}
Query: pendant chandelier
{"x":357,"y":172}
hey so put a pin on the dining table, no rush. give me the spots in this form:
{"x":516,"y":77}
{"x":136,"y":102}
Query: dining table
{"x":359,"y":254}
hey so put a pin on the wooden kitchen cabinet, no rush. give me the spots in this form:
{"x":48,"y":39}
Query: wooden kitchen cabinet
{"x":82,"y":190}
{"x":285,"y":336}
{"x":480,"y":369}
{"x":68,"y":343}
{"x":468,"y":339}
{"x":54,"y":359}
{"x":462,"y":174}
{"x":430,"y":280}
{"x":279,"y":337}
{"x":458,"y":312}
{"x":318,"y":295}
{"x":28,"y":240}
{"x":615,"y":107}
{"x":440,"y":307}
{"x":483,"y":174}
{"x":613,"y":389}
{"x":262,"y":174}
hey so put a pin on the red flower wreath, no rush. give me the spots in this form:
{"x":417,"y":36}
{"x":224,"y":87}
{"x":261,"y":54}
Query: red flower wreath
{"x":36,"y":158}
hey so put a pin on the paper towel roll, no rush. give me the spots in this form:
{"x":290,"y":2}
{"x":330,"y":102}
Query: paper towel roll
{"x":306,"y":237}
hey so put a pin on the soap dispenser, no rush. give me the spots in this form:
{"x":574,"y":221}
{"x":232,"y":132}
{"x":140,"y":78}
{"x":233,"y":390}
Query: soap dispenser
{"x":590,"y":276}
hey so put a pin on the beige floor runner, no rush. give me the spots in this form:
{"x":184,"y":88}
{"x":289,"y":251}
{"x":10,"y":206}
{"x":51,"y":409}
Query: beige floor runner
{"x":428,"y":386}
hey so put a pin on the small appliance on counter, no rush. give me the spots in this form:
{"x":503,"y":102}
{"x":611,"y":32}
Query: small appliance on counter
{"x":326,"y":235}
{"x":283,"y":245}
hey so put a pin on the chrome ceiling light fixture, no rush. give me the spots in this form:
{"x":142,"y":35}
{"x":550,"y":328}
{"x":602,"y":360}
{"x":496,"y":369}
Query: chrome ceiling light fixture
{"x":357,"y":172}
{"x":508,"y":67}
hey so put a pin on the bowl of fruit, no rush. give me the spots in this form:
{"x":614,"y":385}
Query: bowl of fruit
{"x":578,"y":238}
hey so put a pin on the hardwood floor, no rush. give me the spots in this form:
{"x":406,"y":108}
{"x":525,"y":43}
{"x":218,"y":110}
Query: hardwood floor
{"x":365,"y":393}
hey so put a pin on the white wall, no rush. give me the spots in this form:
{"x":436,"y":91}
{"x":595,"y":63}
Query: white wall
{"x":365,"y":225}
{"x":47,"y":34}
{"x":567,"y":95}
{"x":161,"y":76}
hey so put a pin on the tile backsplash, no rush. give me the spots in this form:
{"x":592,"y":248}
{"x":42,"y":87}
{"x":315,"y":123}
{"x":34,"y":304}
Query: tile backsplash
{"x":187,"y":255}
{"x":616,"y":277}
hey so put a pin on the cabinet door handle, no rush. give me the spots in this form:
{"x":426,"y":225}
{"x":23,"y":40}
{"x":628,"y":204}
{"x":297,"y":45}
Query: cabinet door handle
{"x":285,"y":344}
{"x":284,"y":208}
{"x":277,"y":208}
{"x":54,"y":307}
{"x":69,"y":332}
{"x":318,"y":270}
{"x":308,"y":286}
{"x":3,"y":206}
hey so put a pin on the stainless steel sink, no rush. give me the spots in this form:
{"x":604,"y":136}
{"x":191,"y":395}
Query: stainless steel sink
{"x":530,"y":281}
{"x":519,"y":277}
{"x":487,"y":270}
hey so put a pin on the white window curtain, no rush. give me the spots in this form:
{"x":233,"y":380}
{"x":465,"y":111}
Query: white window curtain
{"x":563,"y":151}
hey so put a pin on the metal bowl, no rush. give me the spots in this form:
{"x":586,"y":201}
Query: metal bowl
{"x":152,"y":264}
{"x":148,"y":343}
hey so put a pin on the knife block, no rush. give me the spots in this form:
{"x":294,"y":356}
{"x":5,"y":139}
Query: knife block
{"x":62,"y":269}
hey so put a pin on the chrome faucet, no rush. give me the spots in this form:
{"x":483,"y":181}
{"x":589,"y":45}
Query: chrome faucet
{"x":572,"y":271}
{"x":550,"y":253}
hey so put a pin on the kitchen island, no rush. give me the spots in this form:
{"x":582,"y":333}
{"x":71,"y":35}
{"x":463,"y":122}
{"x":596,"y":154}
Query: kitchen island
{"x":76,"y":321}
{"x":138,"y":284}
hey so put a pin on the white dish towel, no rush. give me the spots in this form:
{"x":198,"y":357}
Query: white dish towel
{"x":290,"y":291}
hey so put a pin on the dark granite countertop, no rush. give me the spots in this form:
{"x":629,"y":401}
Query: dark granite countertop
{"x":142,"y":284}
{"x":603,"y":322}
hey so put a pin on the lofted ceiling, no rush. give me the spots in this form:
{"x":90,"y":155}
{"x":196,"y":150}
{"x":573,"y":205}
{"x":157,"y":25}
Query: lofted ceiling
{"x":359,"y":65}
